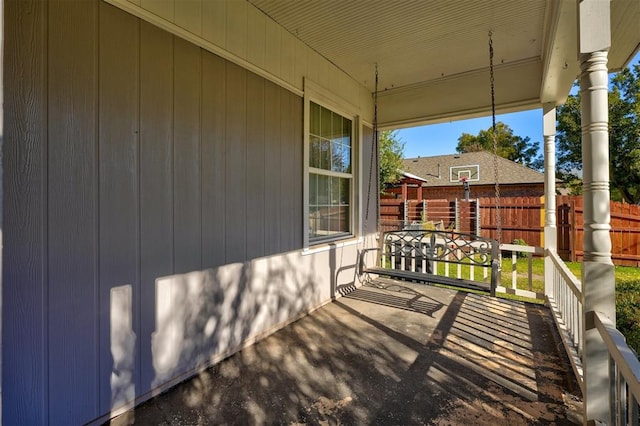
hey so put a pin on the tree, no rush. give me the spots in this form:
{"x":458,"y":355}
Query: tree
{"x":390,"y":160}
{"x":624,"y":136}
{"x":515,"y":148}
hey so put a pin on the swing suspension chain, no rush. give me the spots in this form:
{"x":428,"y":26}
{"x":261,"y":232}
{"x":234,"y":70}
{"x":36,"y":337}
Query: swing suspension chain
{"x":374,"y":150}
{"x":495,"y":143}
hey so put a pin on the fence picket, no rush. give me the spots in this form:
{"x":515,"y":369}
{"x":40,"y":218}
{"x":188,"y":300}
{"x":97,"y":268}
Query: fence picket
{"x":522,"y":218}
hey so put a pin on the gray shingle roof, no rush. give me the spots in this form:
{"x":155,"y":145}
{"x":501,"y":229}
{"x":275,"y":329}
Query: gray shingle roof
{"x":477,"y":166}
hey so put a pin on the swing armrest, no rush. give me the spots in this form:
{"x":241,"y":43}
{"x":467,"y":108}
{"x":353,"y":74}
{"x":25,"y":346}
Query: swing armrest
{"x":361,"y":266}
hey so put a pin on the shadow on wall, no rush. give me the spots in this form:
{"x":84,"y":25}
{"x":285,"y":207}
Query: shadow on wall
{"x":123,"y":345}
{"x":201,"y":317}
{"x":204,"y":315}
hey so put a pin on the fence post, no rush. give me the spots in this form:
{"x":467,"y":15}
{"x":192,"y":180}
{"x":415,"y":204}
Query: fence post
{"x":456,"y":213}
{"x":573,"y":233}
{"x":424,"y":211}
{"x":405,"y":213}
{"x":477,"y":219}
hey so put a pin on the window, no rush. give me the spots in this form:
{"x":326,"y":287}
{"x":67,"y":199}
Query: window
{"x":330,"y":174}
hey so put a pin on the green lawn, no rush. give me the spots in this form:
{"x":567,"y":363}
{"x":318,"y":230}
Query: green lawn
{"x":627,"y":293}
{"x":627,"y":290}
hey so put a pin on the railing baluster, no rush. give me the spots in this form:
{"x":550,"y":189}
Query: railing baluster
{"x":413,"y":256}
{"x":392,"y":256}
{"x":530,"y":274}
{"x":514,"y":270}
{"x":446,"y":265}
{"x":580,"y":327}
{"x":386,"y":255}
{"x":472,"y":275}
{"x":613,"y":393}
{"x":622,"y":396}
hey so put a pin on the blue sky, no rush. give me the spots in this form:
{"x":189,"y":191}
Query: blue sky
{"x":441,"y":139}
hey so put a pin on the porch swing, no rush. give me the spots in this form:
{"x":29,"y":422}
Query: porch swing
{"x":428,"y":256}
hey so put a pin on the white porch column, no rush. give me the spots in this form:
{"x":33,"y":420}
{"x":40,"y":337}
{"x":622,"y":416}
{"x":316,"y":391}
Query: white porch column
{"x":550,"y":230}
{"x":597,"y":270}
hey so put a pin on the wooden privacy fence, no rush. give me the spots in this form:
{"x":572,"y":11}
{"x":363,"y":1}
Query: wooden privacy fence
{"x":459,"y":215}
{"x":625,"y":230}
{"x":522,"y":218}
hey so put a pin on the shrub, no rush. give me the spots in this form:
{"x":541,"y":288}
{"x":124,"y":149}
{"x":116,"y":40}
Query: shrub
{"x":628,"y":311}
{"x":520,"y":242}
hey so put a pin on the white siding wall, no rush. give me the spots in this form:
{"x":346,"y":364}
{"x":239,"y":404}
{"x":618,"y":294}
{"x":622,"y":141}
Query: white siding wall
{"x":152,"y":203}
{"x":238,"y":31}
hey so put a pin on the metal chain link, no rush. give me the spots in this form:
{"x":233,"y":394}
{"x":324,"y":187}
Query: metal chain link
{"x":495,"y":143}
{"x":374,"y":152}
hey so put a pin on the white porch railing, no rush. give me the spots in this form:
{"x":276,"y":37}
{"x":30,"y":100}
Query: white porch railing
{"x":624,"y":374}
{"x":566,"y":303}
{"x":510,"y":254}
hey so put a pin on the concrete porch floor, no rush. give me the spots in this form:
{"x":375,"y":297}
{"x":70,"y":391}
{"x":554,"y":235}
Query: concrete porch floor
{"x":387,"y":353}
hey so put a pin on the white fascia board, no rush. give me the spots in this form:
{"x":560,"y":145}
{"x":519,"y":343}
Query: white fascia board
{"x":560,"y":54}
{"x":468,"y":95}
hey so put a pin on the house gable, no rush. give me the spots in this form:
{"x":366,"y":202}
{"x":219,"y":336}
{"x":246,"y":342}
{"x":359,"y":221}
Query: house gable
{"x":477,"y":167}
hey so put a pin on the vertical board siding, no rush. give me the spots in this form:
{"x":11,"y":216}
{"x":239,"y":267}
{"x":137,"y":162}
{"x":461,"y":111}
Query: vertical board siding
{"x":256,"y":51}
{"x":236,"y":27}
{"x":272,"y":160}
{"x":272,"y":37}
{"x":288,"y":58}
{"x":24,"y":292}
{"x":186,"y":148}
{"x":214,"y":22}
{"x":290,"y":176}
{"x":118,"y":191}
{"x":254,"y":40}
{"x":188,"y":14}
{"x":156,"y":180}
{"x":235,"y":179}
{"x":255,"y":193}
{"x":213,"y":156}
{"x":73,"y":355}
{"x":295,"y":145}
{"x":162,"y":8}
{"x":130,"y":157}
{"x":285,"y":184}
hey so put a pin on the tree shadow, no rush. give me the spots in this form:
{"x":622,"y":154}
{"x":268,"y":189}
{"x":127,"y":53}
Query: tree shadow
{"x":455,"y":358}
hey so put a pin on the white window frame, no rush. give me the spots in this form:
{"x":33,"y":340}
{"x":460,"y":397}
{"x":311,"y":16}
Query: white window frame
{"x":320,"y":96}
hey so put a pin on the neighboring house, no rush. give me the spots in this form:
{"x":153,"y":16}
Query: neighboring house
{"x":443,"y":177}
{"x":182,"y":178}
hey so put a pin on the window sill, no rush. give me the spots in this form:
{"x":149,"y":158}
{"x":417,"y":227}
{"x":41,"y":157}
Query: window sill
{"x":330,"y":245}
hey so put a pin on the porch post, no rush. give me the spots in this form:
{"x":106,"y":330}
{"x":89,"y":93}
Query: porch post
{"x":597,"y":269}
{"x":550,"y":230}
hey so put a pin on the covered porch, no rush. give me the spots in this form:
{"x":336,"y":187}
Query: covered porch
{"x":162,"y":169}
{"x":388,"y":352}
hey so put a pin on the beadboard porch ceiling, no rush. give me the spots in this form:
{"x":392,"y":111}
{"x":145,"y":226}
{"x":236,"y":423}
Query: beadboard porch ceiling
{"x":433,"y":55}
